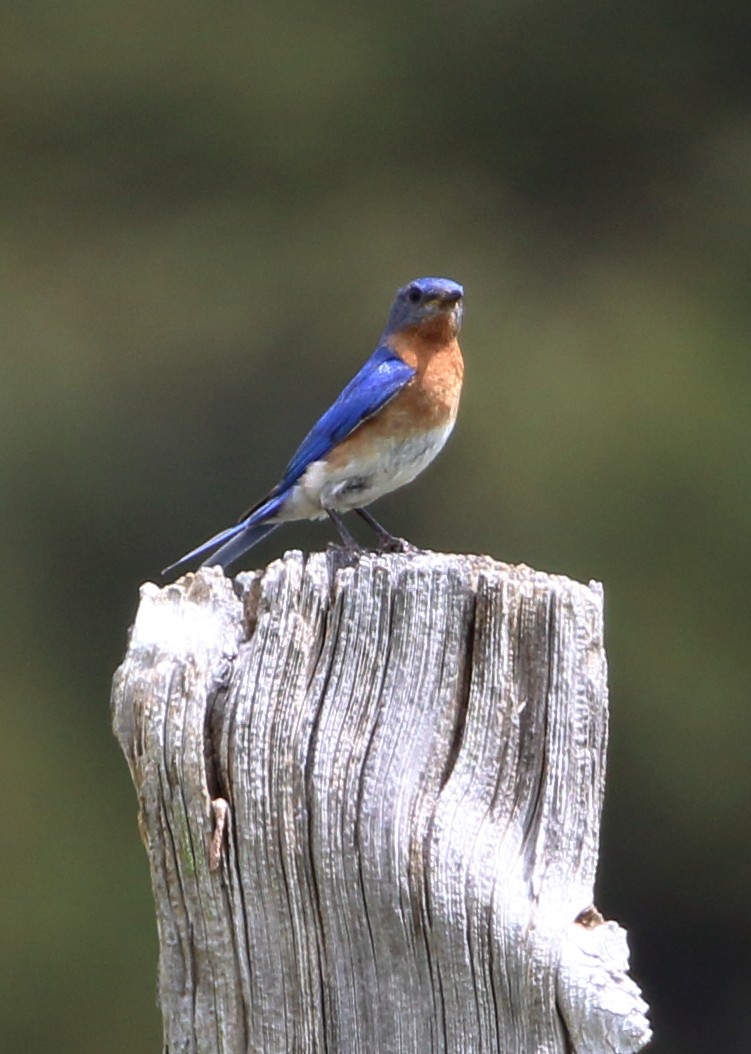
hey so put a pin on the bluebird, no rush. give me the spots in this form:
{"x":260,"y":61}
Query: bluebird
{"x":388,"y":424}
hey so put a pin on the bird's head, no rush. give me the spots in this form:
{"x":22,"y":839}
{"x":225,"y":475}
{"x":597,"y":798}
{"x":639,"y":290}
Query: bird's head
{"x":427,"y":300}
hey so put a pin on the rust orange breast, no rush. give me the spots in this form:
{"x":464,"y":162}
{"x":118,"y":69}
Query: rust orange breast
{"x":432,"y":396}
{"x":429,"y":401}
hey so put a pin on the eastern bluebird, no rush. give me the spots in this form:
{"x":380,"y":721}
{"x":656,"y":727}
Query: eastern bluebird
{"x":387,"y":425}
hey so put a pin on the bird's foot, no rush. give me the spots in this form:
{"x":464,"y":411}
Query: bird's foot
{"x":391,"y":544}
{"x":386,"y":541}
{"x":349,"y":542}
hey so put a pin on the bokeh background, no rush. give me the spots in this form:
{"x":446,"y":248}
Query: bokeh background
{"x":206,"y":209}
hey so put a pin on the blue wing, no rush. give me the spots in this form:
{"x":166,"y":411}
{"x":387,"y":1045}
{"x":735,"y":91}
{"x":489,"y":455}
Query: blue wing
{"x":379,"y":380}
{"x":382,"y":376}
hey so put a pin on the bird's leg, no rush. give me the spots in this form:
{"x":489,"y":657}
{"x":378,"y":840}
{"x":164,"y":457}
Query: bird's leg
{"x":348,"y":539}
{"x":386,"y":540}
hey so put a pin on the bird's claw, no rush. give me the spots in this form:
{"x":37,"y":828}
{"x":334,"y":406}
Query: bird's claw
{"x":392,"y":544}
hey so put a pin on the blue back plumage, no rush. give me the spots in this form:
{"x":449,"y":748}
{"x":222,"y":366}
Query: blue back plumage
{"x":379,"y":380}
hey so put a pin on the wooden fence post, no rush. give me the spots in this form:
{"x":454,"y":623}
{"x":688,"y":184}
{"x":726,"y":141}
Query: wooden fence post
{"x":370,"y":793}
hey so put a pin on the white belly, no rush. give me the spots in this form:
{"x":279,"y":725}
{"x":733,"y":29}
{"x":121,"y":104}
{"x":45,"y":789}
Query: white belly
{"x":364,"y":479}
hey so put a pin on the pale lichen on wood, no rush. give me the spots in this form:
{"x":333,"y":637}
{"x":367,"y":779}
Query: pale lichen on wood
{"x":370,"y":793}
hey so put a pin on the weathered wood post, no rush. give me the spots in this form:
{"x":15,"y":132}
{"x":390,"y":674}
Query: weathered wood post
{"x":370,"y":792}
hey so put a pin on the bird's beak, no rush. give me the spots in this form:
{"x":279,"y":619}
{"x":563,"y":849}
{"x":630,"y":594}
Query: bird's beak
{"x":445,"y":301}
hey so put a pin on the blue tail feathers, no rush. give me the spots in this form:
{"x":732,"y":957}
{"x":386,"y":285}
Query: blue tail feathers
{"x":230,"y":544}
{"x":235,"y":547}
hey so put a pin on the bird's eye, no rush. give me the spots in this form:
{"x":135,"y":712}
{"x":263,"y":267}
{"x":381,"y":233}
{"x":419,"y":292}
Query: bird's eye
{"x":413,"y":294}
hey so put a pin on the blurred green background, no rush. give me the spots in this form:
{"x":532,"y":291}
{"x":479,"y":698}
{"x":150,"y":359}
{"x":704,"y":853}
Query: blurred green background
{"x":205,"y":206}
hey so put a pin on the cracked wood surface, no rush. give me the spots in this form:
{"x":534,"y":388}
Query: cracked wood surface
{"x":370,"y":793}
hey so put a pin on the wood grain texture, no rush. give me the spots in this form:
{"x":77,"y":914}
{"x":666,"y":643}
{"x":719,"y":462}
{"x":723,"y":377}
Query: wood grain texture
{"x":370,"y":793}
